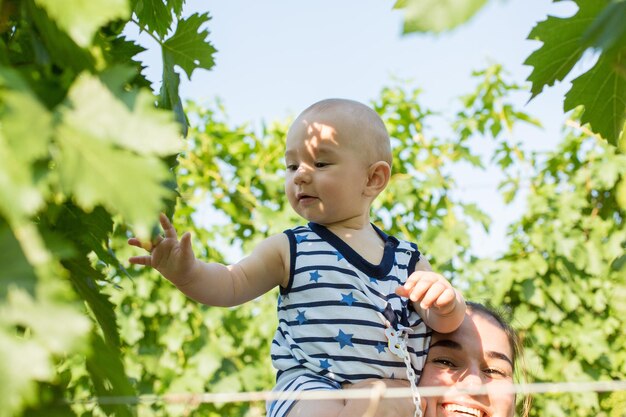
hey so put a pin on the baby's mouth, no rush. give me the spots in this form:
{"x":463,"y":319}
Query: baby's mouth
{"x":460,"y":410}
{"x":305,"y":197}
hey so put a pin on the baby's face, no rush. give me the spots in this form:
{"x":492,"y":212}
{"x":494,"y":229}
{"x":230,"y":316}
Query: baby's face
{"x":326,"y":171}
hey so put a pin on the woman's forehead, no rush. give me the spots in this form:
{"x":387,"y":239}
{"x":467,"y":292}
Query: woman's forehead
{"x":478,"y":334}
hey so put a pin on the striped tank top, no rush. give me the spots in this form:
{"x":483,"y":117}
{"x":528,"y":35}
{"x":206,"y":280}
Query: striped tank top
{"x":332,"y":315}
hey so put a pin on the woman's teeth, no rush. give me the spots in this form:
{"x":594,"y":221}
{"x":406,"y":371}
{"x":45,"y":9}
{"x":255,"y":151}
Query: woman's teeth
{"x":455,"y":408}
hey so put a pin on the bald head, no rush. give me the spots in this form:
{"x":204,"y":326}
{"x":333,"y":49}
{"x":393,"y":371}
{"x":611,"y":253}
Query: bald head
{"x":357,"y":125}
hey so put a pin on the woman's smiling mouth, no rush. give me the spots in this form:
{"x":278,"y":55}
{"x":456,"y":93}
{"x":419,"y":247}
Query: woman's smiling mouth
{"x":460,"y":410}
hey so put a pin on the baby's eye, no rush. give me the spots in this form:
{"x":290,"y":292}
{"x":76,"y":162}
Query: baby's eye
{"x":321,"y":164}
{"x":292,"y":167}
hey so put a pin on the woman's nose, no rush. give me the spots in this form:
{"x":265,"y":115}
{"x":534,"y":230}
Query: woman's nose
{"x":470,"y":378}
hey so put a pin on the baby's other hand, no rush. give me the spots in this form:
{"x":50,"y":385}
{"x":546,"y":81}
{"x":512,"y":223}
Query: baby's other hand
{"x":429,"y":290}
{"x":174,"y":259}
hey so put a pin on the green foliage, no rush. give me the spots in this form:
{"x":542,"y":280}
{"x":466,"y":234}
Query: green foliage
{"x":71,"y":16}
{"x":597,"y":26}
{"x":419,"y":203}
{"x":561,"y":276}
{"x":602,"y":89}
{"x":86,"y":157}
{"x":187,"y":48}
{"x":173,"y":345}
{"x":488,"y":112}
{"x":82,"y":148}
{"x":436,"y":15}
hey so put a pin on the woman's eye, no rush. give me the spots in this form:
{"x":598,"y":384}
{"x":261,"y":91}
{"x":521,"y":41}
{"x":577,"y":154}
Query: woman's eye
{"x":496,"y":372}
{"x":444,"y":362}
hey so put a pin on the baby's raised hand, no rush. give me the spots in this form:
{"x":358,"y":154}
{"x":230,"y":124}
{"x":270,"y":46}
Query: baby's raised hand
{"x":429,"y":290}
{"x":174,"y":259}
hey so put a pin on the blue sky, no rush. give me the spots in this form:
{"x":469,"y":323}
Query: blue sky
{"x":276,"y":57}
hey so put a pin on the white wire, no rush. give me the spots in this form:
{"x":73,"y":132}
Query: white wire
{"x":233,"y":397}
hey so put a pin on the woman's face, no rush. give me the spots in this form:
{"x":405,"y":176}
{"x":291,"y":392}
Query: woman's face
{"x":477,"y":353}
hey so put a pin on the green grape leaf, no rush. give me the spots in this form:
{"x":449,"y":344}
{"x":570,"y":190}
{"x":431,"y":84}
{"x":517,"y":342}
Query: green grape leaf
{"x":85,"y":280}
{"x":27,"y":362}
{"x":188,"y":47}
{"x":122,"y":50}
{"x":608,"y":29}
{"x":59,"y":327}
{"x":121,"y":54}
{"x":54,"y":330}
{"x":562,"y":45}
{"x":19,"y":195}
{"x":107,"y":372}
{"x":25,"y":131}
{"x":16,"y":271}
{"x":96,"y":173}
{"x":89,"y":230}
{"x":602,"y":92}
{"x":437,"y":15}
{"x":153,"y":14}
{"x":176,"y":6}
{"x":50,"y":43}
{"x":26,"y":123}
{"x":169,"y":96}
{"x":97,"y":159}
{"x":143,"y":129}
{"x":81,"y":19}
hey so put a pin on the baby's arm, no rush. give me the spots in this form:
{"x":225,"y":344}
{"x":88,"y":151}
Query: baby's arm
{"x":440,"y":305}
{"x":213,"y":283}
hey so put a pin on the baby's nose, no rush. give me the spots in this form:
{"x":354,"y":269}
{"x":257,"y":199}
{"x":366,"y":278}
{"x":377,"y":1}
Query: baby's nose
{"x":302,"y":174}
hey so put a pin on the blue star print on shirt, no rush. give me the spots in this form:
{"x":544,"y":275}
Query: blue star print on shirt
{"x":339,"y":255}
{"x":301,"y":319}
{"x":301,"y":238}
{"x":381,"y":347}
{"x":324,"y":364}
{"x":315,"y":275}
{"x":348,"y":298}
{"x":344,"y":339}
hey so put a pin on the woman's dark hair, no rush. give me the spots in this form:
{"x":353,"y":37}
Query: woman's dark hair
{"x":516,"y":345}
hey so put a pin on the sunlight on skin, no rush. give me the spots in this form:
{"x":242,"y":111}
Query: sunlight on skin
{"x":478,"y":353}
{"x":318,"y":133}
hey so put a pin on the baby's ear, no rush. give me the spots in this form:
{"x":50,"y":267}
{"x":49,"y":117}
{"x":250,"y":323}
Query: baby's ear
{"x":378,"y":176}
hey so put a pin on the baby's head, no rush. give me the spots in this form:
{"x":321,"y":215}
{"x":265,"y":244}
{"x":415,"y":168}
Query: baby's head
{"x":356,"y":126}
{"x":338,"y":157}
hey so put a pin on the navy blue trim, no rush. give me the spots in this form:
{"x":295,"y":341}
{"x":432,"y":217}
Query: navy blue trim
{"x":326,"y":268}
{"x":328,"y":303}
{"x":375,"y":271}
{"x":356,"y":322}
{"x":415,"y":257}
{"x":324,"y":285}
{"x":292,"y":260}
{"x":348,"y":358}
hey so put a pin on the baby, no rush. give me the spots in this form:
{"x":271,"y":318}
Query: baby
{"x":354,"y":302}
